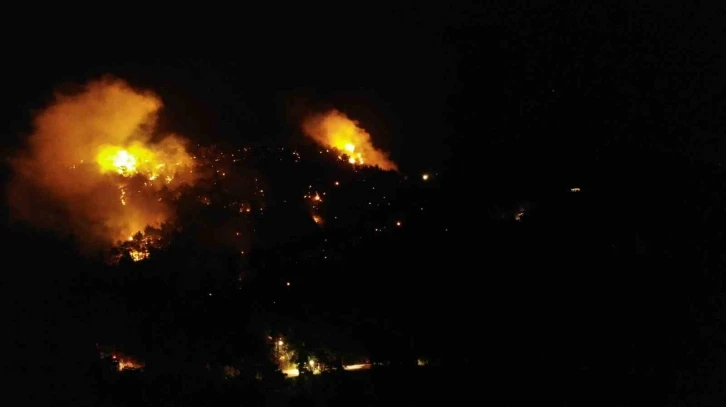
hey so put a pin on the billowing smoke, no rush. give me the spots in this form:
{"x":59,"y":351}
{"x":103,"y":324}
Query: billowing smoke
{"x":334,"y":130}
{"x":94,"y":168}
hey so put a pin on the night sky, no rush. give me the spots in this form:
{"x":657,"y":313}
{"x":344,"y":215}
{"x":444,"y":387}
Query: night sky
{"x":506,"y":106}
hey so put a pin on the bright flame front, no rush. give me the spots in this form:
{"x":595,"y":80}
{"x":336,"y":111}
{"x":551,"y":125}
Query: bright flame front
{"x":335,"y":130}
{"x":92,"y":157}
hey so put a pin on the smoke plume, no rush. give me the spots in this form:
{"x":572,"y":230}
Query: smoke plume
{"x":334,"y":130}
{"x":93,"y":168}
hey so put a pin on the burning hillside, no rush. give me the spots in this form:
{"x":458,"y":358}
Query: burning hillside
{"x":94,"y":167}
{"x":334,"y":130}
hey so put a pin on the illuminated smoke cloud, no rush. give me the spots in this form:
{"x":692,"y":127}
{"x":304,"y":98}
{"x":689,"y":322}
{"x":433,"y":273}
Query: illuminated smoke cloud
{"x":91,"y":167}
{"x":334,"y":130}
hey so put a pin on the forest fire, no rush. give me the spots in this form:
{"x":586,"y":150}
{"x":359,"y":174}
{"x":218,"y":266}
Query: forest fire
{"x":357,"y":366}
{"x":336,"y":131}
{"x":128,"y":363}
{"x":108,"y":179}
{"x":284,"y":356}
{"x":138,"y":159}
{"x":120,"y":360}
{"x":138,"y":255}
{"x":94,"y":157}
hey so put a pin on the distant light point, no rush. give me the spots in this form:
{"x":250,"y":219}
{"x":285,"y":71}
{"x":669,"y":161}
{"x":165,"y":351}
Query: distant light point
{"x":425,"y":177}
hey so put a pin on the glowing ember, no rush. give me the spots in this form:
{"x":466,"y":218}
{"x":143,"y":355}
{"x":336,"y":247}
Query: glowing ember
{"x":230,"y":372}
{"x":137,"y":255}
{"x":317,"y":219}
{"x":123,"y":362}
{"x":292,"y":372}
{"x":139,"y":246}
{"x":127,"y":363}
{"x":575,"y":189}
{"x":359,"y":366}
{"x":285,"y":358}
{"x":336,"y":131}
{"x":425,"y":177}
{"x":519,"y":215}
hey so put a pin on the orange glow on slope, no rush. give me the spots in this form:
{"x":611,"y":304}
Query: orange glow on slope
{"x":138,"y":255}
{"x":359,"y":366}
{"x":335,"y":130}
{"x":291,"y":372}
{"x":284,"y":356}
{"x":94,"y":162}
{"x":128,"y":363}
{"x":149,"y":161}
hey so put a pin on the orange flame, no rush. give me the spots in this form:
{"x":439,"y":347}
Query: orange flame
{"x":128,"y":363}
{"x":335,"y":130}
{"x":92,"y":159}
